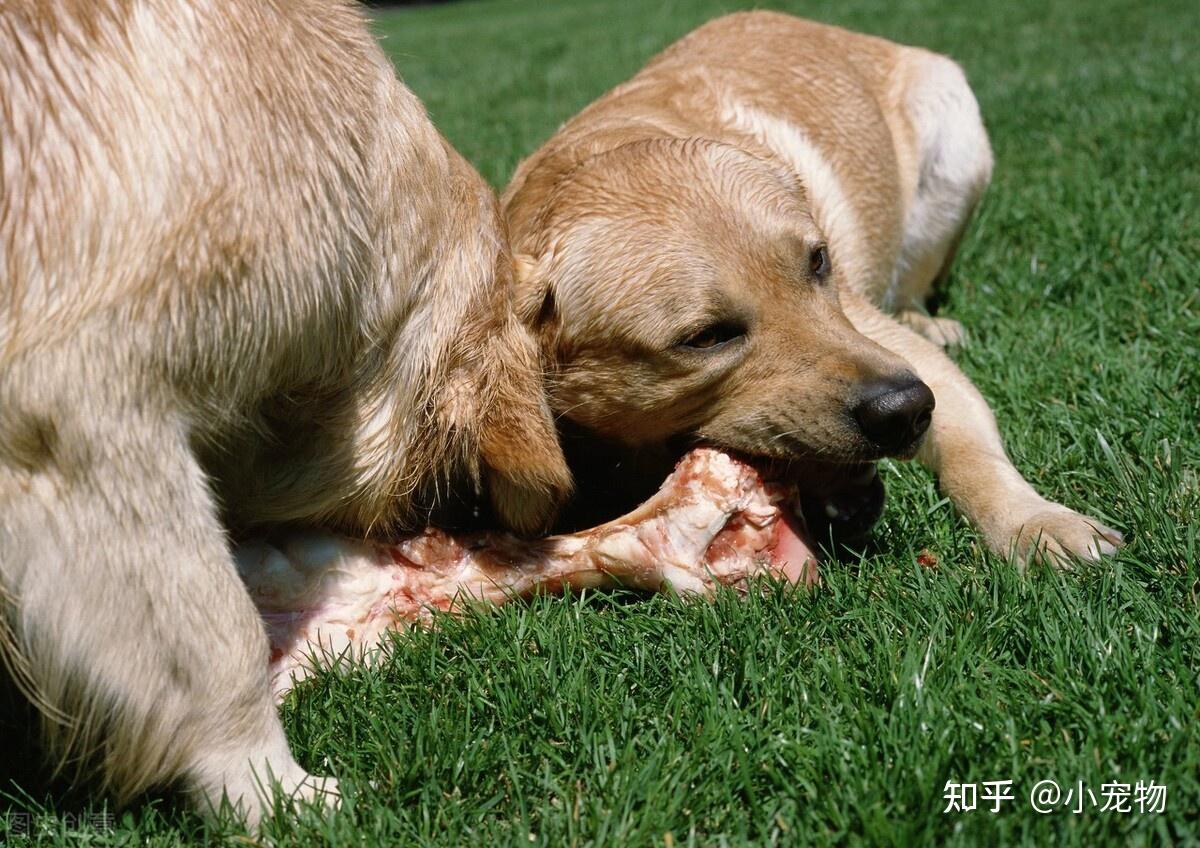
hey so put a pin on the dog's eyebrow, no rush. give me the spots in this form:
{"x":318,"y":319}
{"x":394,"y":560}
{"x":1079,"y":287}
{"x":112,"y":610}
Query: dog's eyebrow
{"x":709,"y":308}
{"x":795,"y":249}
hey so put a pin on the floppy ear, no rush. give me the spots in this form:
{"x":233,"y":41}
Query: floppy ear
{"x":533,"y":298}
{"x":527,"y":474}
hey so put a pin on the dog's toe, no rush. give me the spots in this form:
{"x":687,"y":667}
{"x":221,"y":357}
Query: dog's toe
{"x":943,"y":332}
{"x":947,"y":332}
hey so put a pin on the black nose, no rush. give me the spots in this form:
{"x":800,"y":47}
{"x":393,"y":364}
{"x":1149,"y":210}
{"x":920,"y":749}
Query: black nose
{"x":895,"y":413}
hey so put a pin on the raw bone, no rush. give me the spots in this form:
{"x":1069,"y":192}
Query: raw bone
{"x":712,"y":522}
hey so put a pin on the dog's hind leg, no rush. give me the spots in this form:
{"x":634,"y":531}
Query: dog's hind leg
{"x":963,"y":447}
{"x":126,"y":620}
{"x":952,"y":160}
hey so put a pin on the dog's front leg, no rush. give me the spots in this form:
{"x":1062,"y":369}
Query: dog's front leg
{"x":127,"y":623}
{"x":964,"y":449}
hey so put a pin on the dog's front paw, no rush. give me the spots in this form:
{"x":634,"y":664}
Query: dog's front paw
{"x":943,"y":332}
{"x":947,"y":332}
{"x":1060,"y":536}
{"x":259,"y":801}
{"x":321,"y":791}
{"x":258,"y":785}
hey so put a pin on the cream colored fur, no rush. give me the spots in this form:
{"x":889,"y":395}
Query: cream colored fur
{"x":632,"y":228}
{"x":241,"y":276}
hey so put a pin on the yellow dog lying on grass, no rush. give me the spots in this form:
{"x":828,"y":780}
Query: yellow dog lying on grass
{"x":736,"y":247}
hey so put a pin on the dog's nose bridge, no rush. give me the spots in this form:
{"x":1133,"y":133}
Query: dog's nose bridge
{"x":853,"y":356}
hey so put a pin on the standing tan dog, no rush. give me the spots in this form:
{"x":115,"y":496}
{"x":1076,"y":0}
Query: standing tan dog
{"x":712,"y":249}
{"x":240,"y":271}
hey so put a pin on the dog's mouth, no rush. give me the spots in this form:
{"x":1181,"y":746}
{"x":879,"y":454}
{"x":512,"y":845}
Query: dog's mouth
{"x":816,"y":504}
{"x":820,"y":505}
{"x":836,"y":503}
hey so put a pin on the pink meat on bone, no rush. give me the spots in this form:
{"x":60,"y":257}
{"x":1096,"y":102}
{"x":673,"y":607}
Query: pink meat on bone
{"x":713,"y":521}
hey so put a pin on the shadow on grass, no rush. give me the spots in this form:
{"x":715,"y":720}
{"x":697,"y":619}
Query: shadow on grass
{"x":31,"y":794}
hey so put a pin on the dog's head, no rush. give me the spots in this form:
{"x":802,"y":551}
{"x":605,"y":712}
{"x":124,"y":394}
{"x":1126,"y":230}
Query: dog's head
{"x":682,"y":288}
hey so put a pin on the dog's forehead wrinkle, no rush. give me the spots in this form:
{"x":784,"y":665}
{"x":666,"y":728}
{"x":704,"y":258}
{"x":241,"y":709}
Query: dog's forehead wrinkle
{"x":650,"y":178}
{"x":597,"y":280}
{"x":702,"y":222}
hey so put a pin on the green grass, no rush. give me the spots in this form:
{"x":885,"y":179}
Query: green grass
{"x":838,"y":715}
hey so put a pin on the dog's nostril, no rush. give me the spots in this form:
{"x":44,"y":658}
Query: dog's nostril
{"x":894,"y":413}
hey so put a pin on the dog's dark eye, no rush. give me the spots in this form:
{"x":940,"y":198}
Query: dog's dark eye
{"x":713,"y":336}
{"x":818,"y":262}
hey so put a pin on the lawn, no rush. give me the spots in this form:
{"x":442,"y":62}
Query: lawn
{"x":836,"y":715}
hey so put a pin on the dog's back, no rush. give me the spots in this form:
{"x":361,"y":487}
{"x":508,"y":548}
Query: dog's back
{"x":112,"y":205}
{"x":842,"y":109}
